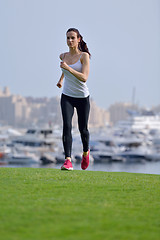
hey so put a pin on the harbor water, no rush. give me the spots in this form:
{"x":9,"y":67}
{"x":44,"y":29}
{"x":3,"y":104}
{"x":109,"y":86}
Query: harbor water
{"x":136,"y":167}
{"x":131,"y":147}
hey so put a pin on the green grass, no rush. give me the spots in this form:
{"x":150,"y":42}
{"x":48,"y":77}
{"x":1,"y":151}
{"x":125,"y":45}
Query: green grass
{"x":44,"y":204}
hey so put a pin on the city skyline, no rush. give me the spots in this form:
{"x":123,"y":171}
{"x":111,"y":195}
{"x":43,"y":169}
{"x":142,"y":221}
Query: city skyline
{"x":17,"y":110}
{"x":123,"y":38}
{"x":20,"y":111}
{"x":7,"y":90}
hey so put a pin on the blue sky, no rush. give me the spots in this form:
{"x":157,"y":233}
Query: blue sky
{"x":123,"y":37}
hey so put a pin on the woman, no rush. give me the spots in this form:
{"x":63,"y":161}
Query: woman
{"x":75,"y":94}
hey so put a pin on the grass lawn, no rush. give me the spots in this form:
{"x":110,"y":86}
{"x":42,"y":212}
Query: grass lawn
{"x":44,"y":204}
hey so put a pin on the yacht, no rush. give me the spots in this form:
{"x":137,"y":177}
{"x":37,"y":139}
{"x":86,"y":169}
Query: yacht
{"x":21,"y":158}
{"x":146,"y":120}
{"x":36,"y":138}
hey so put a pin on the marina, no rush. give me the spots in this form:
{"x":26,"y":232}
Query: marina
{"x":129,"y":147}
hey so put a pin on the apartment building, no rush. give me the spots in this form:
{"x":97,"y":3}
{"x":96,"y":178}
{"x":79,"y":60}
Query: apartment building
{"x":21,"y":111}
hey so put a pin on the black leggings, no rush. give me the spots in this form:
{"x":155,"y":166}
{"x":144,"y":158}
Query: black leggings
{"x":82,"y":106}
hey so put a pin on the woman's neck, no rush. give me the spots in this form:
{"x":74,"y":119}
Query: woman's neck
{"x":74,"y":51}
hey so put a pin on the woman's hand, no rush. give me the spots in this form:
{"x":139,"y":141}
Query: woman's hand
{"x":59,"y":84}
{"x":64,"y":65}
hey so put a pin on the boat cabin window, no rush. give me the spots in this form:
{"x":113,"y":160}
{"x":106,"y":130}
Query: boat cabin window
{"x":46,"y":132}
{"x":31,"y":131}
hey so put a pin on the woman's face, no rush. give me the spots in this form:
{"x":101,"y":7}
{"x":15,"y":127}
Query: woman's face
{"x":72,"y":39}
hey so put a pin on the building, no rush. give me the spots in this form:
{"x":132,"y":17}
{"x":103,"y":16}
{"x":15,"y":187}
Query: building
{"x":21,"y":111}
{"x":13,"y":108}
{"x":99,"y":117}
{"x":118,"y":111}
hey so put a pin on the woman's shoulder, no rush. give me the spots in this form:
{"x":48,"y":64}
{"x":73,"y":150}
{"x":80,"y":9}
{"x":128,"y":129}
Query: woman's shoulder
{"x":84,"y":56}
{"x":62,"y":55}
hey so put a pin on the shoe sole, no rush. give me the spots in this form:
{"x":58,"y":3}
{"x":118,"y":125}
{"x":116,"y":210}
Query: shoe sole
{"x":84,"y":168}
{"x":69,"y":169}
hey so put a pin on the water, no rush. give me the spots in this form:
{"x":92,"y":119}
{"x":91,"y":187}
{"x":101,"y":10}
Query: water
{"x":138,"y":167}
{"x":146,"y":167}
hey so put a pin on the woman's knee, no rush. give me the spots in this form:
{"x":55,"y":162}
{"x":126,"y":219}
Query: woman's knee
{"x":67,"y":128}
{"x":83,"y":131}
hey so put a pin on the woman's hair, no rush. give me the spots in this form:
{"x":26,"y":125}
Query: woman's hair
{"x":82,"y":45}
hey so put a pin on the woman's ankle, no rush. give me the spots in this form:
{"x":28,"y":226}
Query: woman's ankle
{"x":68,"y":158}
{"x":85,"y":153}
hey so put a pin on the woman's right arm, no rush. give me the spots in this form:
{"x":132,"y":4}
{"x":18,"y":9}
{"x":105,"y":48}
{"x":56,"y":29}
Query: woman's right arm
{"x":60,"y":82}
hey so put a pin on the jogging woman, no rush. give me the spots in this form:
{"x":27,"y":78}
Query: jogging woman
{"x":75,"y":94}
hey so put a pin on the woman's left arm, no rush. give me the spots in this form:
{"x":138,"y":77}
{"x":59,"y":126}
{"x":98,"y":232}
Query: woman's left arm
{"x":82,"y":76}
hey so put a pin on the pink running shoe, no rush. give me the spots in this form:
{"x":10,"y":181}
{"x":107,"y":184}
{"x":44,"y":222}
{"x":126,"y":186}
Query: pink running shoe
{"x":67,"y":165}
{"x":85,"y":161}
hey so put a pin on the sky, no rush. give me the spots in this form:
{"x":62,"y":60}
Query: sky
{"x":123,"y":37}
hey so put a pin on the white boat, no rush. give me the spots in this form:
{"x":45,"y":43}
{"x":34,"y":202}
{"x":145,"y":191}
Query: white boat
{"x":35,"y":140}
{"x":154,"y":156}
{"x":134,"y":153}
{"x":48,"y":157}
{"x":103,"y":149}
{"x":144,"y":121}
{"x":22,"y":158}
{"x":4,"y":149}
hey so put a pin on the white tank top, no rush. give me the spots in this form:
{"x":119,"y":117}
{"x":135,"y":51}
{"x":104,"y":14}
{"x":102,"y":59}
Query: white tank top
{"x":72,"y":86}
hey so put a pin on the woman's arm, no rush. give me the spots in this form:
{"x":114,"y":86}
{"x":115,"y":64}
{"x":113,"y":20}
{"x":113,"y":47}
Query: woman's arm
{"x":82,"y":76}
{"x":60,"y":82}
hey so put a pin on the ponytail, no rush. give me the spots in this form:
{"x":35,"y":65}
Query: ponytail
{"x":82,"y":45}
